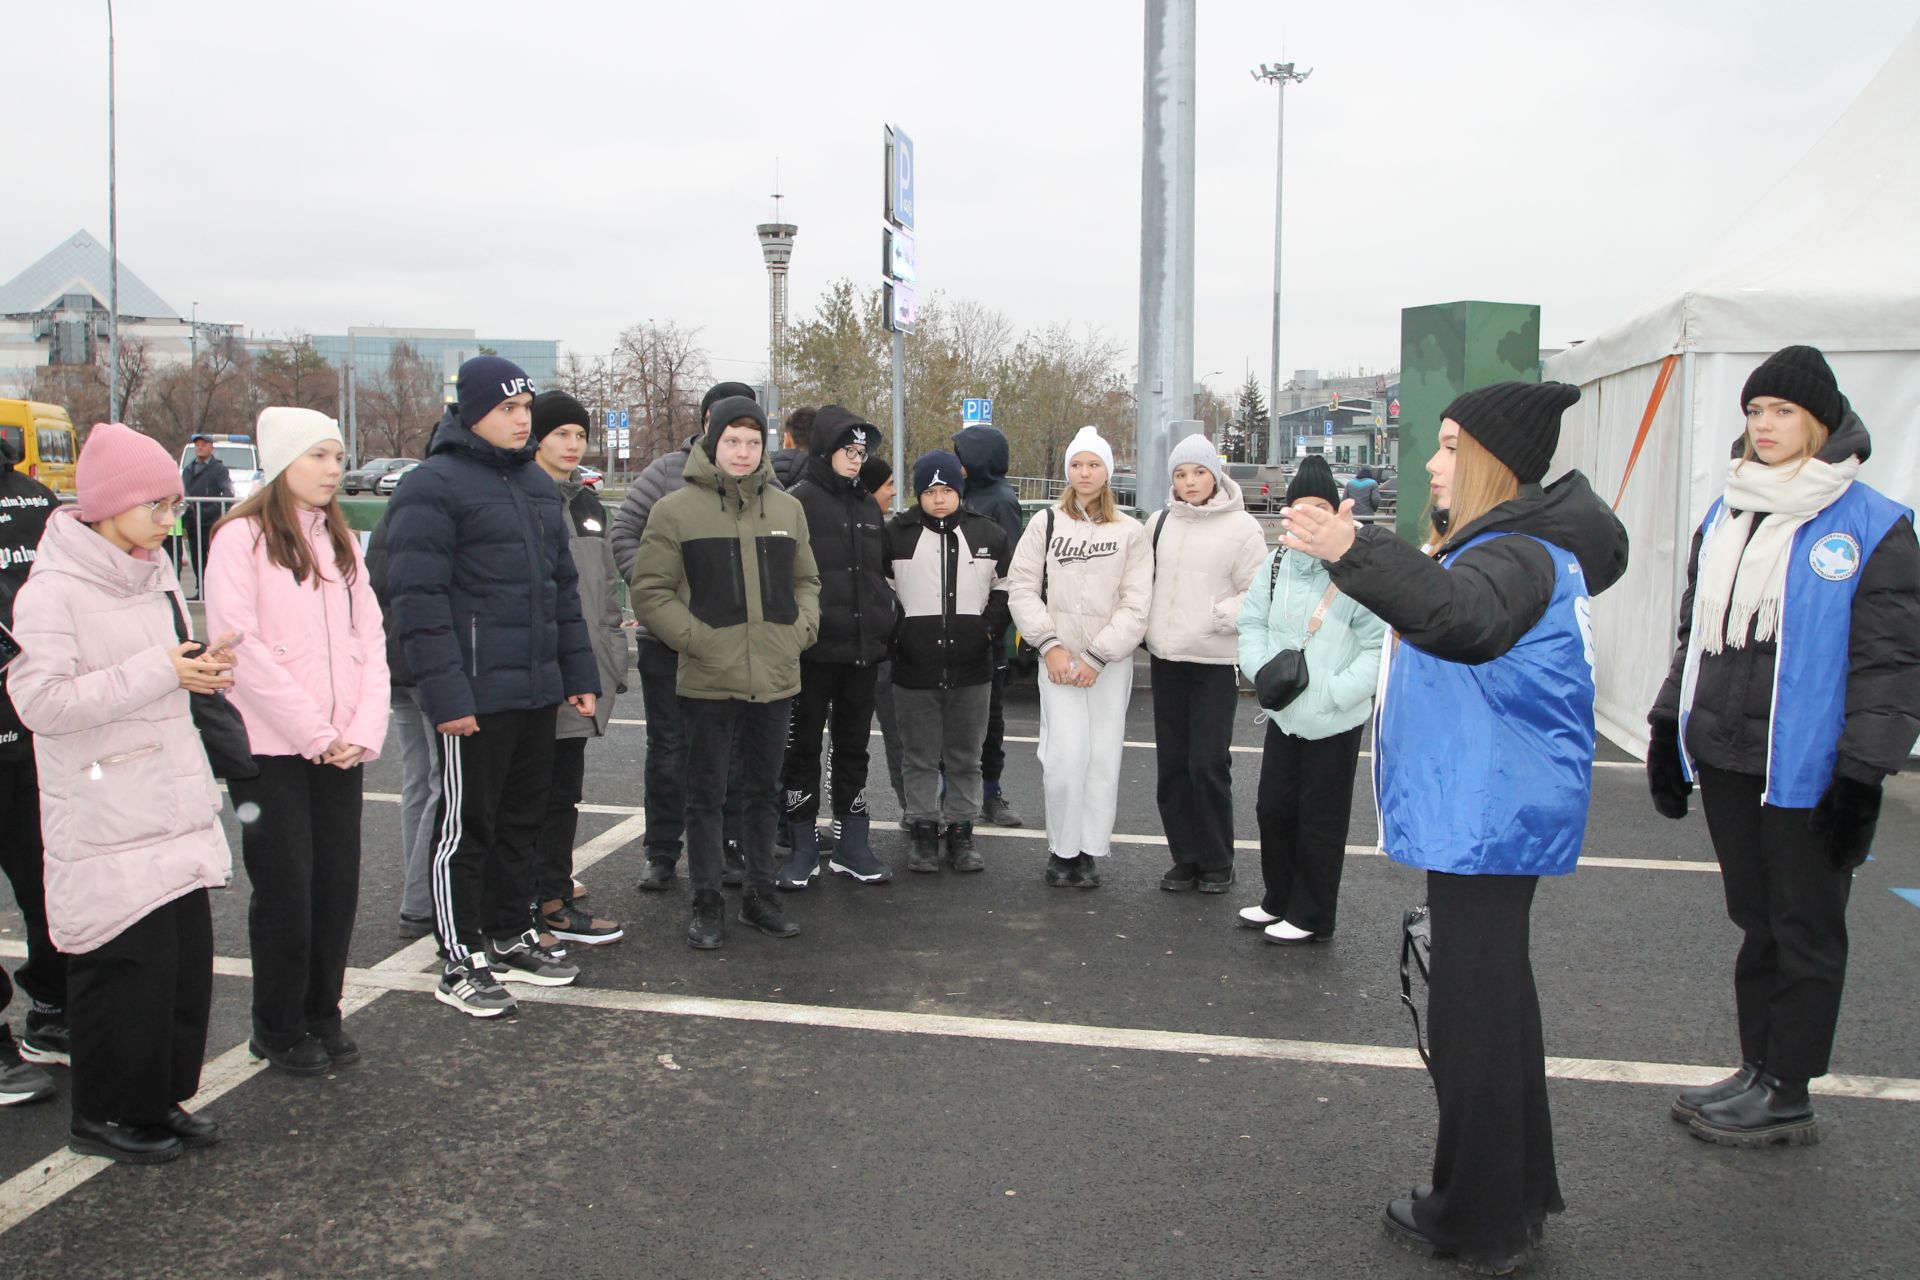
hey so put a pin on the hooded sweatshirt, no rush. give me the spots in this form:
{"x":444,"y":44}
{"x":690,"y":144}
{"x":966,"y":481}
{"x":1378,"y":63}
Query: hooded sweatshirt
{"x":1204,"y":559}
{"x":856,"y":605}
{"x":599,"y":604}
{"x":983,"y":452}
{"x":27,"y":505}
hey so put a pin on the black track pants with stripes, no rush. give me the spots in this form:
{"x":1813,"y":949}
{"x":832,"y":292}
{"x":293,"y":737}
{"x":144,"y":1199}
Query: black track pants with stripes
{"x":487,"y":828}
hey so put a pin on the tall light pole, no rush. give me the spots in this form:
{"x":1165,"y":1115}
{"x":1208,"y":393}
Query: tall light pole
{"x":193,"y":364}
{"x":1165,"y":394}
{"x":1281,"y":74}
{"x":113,"y":246}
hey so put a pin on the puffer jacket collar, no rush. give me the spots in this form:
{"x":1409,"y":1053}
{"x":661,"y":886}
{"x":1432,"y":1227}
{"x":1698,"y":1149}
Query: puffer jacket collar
{"x":704,"y":473}
{"x":70,"y":547}
{"x":1226,"y":499}
{"x":450,"y":437}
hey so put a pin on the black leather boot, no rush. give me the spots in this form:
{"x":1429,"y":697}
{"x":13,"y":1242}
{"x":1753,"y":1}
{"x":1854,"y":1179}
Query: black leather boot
{"x":1769,"y":1112}
{"x":924,"y":854}
{"x":762,"y":910}
{"x":960,"y":850}
{"x":1688,"y":1104}
{"x":192,"y":1130}
{"x":707,"y":928}
{"x":127,"y":1143}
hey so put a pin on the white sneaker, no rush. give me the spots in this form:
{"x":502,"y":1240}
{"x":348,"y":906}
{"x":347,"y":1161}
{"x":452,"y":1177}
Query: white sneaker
{"x":1289,"y":935}
{"x":1254,"y":918}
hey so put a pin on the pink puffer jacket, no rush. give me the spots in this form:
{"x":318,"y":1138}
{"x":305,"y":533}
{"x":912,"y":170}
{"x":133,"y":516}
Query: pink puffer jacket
{"x":128,"y":805}
{"x":311,"y":665}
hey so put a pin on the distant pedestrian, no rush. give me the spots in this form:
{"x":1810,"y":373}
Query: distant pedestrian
{"x":1312,"y":745}
{"x":1206,"y":550}
{"x":1080,"y":589}
{"x":984,"y":455}
{"x":1485,"y":767}
{"x":1363,"y":491}
{"x":128,"y":803}
{"x":285,"y":575}
{"x":1794,"y":693}
{"x":204,"y":479}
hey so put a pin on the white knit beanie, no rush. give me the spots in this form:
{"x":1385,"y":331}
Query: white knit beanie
{"x":286,"y":433}
{"x":1088,"y":441}
{"x":1197,"y":449}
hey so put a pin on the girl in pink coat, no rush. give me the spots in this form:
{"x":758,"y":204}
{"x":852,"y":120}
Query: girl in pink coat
{"x":285,"y":575}
{"x":128,"y":805}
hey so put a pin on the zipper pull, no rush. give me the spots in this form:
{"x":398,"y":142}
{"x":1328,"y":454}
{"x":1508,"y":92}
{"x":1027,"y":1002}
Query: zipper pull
{"x":94,"y":773}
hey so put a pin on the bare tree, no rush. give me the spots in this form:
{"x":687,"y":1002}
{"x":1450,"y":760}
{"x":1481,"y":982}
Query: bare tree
{"x":659,"y":373}
{"x":291,"y":372}
{"x":400,"y":406}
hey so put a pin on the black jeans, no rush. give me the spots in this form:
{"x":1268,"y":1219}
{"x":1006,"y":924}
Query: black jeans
{"x":844,"y":693}
{"x":553,"y":859}
{"x":666,"y":767}
{"x":1791,"y":904}
{"x":303,"y":858}
{"x":137,"y":1014}
{"x":487,"y":828}
{"x":1193,"y":709}
{"x":993,"y":752}
{"x":1493,"y":1171}
{"x":1305,"y":801}
{"x":718,"y":730}
{"x":44,"y":976}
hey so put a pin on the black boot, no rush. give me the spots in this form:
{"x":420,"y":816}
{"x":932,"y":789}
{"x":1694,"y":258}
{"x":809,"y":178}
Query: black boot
{"x":127,"y":1143}
{"x":925,"y":852}
{"x":707,"y":928}
{"x":1769,"y":1112}
{"x":733,"y":865}
{"x":658,"y":876}
{"x":762,"y":910}
{"x":1061,"y":872}
{"x":304,"y":1057}
{"x":802,"y":862}
{"x":1687,"y":1105}
{"x":192,"y":1130}
{"x":960,"y":850}
{"x":1086,"y":872}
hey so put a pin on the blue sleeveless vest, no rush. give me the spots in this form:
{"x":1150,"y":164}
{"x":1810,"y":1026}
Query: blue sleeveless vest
{"x":1811,"y":660}
{"x":1487,"y":769}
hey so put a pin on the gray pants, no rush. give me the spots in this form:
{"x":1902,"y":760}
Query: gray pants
{"x":889,"y":731}
{"x":419,"y":798}
{"x":941,"y":730}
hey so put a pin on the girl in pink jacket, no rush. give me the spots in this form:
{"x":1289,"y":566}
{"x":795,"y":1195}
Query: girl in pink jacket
{"x":285,"y":575}
{"x":128,"y":805}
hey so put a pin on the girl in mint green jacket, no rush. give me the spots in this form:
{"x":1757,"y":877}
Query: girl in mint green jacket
{"x":1313,"y":743}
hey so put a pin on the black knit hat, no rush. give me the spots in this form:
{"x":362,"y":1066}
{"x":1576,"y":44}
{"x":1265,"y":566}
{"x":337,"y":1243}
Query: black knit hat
{"x":484,"y":382}
{"x":874,"y":473}
{"x":721,"y":391}
{"x":727,"y":411}
{"x":555,"y":409}
{"x":1314,"y":479}
{"x":1802,"y":375}
{"x":1517,"y":422}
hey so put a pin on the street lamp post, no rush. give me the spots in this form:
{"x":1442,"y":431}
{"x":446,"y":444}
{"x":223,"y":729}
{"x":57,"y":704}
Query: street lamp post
{"x":1281,"y":74}
{"x":113,"y":247}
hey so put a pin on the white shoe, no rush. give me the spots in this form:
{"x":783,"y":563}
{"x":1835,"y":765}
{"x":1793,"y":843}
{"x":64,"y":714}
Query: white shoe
{"x":1289,"y":935}
{"x":1254,"y":918}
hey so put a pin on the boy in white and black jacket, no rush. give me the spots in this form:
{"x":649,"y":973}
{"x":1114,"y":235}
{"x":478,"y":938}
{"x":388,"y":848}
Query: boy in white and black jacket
{"x":949,"y":565}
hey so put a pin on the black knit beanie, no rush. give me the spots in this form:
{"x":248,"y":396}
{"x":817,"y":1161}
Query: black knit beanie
{"x":1517,"y":422}
{"x":722,"y":390}
{"x":874,"y":473}
{"x":1802,"y":375}
{"x":725,"y":412}
{"x":1314,"y":479}
{"x":556,"y":408}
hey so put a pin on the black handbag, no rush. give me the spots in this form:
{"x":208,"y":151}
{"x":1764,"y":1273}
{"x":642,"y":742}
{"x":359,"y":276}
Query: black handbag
{"x":1283,"y":677}
{"x":1416,"y":953}
{"x":222,"y":733}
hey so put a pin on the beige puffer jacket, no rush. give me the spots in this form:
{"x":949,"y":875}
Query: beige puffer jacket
{"x":1204,"y":561}
{"x":1099,"y":580}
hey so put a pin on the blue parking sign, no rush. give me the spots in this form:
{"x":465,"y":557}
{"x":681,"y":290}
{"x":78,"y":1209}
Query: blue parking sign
{"x":976,"y":412}
{"x":1329,"y":428}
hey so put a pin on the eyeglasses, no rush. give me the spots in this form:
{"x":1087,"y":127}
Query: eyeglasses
{"x":164,"y":512}
{"x":857,"y":452}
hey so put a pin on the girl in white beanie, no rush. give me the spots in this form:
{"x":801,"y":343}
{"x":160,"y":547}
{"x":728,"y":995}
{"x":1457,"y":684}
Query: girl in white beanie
{"x":1080,"y":589}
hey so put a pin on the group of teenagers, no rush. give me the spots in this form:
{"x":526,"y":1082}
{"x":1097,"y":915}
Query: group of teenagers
{"x":770,"y":591}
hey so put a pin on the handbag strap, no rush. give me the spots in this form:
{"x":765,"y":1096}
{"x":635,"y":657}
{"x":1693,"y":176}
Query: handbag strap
{"x":1045,"y":548}
{"x":1410,"y":955}
{"x":1320,"y":610}
{"x":179,"y":618}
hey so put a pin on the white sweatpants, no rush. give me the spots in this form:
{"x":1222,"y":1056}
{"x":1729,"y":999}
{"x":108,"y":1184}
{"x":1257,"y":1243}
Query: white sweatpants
{"x":1081,"y":735}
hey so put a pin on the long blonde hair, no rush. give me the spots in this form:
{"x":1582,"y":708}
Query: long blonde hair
{"x":1103,"y":509}
{"x":1817,"y":437}
{"x":277,"y":519}
{"x":1481,"y":482}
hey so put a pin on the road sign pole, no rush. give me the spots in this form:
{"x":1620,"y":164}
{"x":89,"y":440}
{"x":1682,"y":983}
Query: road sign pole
{"x":901,"y":465}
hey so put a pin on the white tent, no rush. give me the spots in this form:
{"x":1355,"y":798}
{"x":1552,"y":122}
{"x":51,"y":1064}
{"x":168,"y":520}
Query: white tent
{"x":1830,"y":257}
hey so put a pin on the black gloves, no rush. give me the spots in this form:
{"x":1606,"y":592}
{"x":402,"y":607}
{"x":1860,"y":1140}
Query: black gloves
{"x":1665,"y":778}
{"x":1847,"y":815}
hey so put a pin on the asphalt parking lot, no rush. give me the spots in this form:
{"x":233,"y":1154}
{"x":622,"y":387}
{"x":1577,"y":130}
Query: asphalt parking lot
{"x":980,"y":1076}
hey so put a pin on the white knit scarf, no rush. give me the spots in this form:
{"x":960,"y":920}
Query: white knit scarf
{"x":1743,"y":580}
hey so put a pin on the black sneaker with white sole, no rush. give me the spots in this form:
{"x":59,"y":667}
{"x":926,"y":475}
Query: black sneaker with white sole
{"x":525,"y":960}
{"x":44,"y":1039}
{"x":471,"y":987}
{"x":21,"y":1082}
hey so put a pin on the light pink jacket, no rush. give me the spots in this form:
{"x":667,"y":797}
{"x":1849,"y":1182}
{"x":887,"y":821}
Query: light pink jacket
{"x":128,"y":805}
{"x":311,"y":665}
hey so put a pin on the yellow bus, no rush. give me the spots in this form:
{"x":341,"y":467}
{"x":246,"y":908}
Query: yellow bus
{"x":42,"y":434}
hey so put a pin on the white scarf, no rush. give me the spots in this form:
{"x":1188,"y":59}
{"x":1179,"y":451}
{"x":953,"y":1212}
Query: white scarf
{"x":1743,"y":579}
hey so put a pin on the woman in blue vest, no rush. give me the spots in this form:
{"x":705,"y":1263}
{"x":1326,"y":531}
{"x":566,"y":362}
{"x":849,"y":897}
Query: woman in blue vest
{"x":1483,"y":751}
{"x":1795,"y":690}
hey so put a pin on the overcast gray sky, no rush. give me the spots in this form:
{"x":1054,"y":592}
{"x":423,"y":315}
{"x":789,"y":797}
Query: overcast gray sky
{"x":561,"y":169}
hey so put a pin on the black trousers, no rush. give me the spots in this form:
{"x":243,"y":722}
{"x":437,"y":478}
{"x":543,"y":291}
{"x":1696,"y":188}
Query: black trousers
{"x":1193,"y":709}
{"x":487,"y":828}
{"x":1791,"y":904}
{"x":553,"y":857}
{"x":1493,"y":1171}
{"x":1305,"y":801}
{"x":137,"y":1014}
{"x":44,"y":976}
{"x":718,"y":731}
{"x":666,"y":766}
{"x":993,"y":752}
{"x":842,"y":693}
{"x":303,"y":858}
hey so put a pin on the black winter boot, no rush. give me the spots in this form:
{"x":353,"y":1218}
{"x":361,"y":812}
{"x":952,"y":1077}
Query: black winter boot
{"x":852,"y":853}
{"x":707,"y":929}
{"x":925,"y":852}
{"x":960,"y":850}
{"x":1769,"y":1112}
{"x":762,"y":910}
{"x":1687,"y":1105}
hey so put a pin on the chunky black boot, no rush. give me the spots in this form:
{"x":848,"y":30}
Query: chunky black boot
{"x":192,"y":1130}
{"x":924,"y":855}
{"x":960,"y":850}
{"x":1770,"y":1112}
{"x":762,"y":910}
{"x":127,"y":1143}
{"x":1688,"y":1104}
{"x":1061,"y":872}
{"x":707,"y":928}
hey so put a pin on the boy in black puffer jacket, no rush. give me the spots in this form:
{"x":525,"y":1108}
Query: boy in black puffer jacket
{"x":984,"y":454}
{"x":837,"y":674}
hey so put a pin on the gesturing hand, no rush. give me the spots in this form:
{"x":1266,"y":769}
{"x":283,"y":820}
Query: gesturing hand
{"x":1324,"y":535}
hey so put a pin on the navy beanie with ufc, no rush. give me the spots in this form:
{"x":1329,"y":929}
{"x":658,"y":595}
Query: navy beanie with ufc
{"x":484,"y":382}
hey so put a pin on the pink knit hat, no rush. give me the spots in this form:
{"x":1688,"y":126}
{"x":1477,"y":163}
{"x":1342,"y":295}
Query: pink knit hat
{"x":119,"y":469}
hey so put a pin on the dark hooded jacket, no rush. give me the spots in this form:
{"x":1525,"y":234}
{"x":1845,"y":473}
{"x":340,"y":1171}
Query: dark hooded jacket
{"x":1478,"y":609}
{"x":983,"y":452}
{"x":486,"y":598}
{"x":843,"y":521}
{"x":25,"y":504}
{"x":789,"y":467}
{"x":1732,"y":714}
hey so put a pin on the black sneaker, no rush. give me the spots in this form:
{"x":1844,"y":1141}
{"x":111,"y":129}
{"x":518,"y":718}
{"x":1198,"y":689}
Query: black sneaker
{"x":1215,"y":881}
{"x":525,"y":960}
{"x":706,"y":929}
{"x":20,"y":1081}
{"x":1061,"y":872}
{"x":341,"y":1048}
{"x":44,"y":1039}
{"x":470,"y":987}
{"x":1086,"y":872}
{"x":996,"y":812}
{"x":657,"y":876}
{"x":960,"y":850}
{"x":571,"y":924}
{"x":762,"y":910}
{"x":923,"y":855}
{"x":733,"y":865}
{"x":304,"y":1057}
{"x":1180,"y":877}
